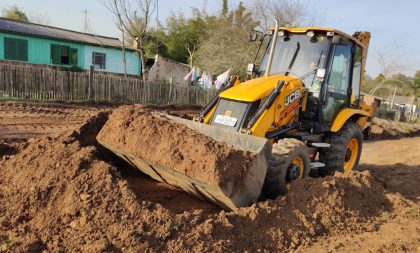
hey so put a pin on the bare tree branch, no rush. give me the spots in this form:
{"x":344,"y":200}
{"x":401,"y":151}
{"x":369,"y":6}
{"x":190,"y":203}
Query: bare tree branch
{"x":133,"y":17}
{"x":392,"y":64}
{"x":390,"y":60}
{"x":287,"y":12}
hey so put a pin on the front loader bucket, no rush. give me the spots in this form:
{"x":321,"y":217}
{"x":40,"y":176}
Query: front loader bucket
{"x":236,"y":192}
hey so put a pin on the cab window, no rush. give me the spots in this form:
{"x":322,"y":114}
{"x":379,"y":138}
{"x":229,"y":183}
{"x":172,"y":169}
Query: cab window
{"x":356,"y":77}
{"x":338,"y":83}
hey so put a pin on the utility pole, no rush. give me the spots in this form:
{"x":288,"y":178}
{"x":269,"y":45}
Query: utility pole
{"x":393,"y":97}
{"x":86,"y":22}
{"x":157,"y":25}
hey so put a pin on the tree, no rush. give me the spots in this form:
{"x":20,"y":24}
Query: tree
{"x":134,"y":17}
{"x":390,"y":61}
{"x":183,"y":35}
{"x":225,"y":44}
{"x":15,"y":13}
{"x":288,"y":12}
{"x":417,"y":79}
{"x":225,"y":8}
{"x":416,"y":84}
{"x":154,"y":43}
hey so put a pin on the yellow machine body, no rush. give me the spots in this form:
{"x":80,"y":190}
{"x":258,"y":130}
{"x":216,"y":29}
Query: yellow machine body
{"x":279,"y":114}
{"x":292,"y":97}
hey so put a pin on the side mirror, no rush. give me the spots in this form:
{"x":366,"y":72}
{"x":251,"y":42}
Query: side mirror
{"x":255,"y":35}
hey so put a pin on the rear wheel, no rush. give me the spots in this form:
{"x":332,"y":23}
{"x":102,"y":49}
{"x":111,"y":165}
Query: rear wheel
{"x":289,"y":161}
{"x":345,"y":150}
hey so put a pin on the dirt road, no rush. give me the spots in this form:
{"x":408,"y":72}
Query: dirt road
{"x":406,"y":151}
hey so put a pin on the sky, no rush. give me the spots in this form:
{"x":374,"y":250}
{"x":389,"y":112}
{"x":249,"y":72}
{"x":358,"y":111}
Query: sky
{"x":390,"y":22}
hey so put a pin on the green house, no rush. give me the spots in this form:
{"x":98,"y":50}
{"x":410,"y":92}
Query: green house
{"x":46,"y":45}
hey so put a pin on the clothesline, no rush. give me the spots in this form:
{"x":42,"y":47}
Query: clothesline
{"x":206,"y":79}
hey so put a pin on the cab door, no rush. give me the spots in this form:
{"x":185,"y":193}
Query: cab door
{"x":337,"y":90}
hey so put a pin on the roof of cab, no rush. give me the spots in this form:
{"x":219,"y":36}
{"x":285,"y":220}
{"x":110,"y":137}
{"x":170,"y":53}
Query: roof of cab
{"x":306,"y":29}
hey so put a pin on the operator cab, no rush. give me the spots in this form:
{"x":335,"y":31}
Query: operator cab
{"x":327,"y":61}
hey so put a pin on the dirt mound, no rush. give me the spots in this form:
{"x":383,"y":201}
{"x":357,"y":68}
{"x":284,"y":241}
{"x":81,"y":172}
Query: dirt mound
{"x":383,"y":129}
{"x":313,"y":209}
{"x":65,"y":194}
{"x":148,"y":135}
{"x":57,"y":194}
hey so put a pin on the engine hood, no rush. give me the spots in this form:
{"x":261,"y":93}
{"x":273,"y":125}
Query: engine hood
{"x":256,"y":89}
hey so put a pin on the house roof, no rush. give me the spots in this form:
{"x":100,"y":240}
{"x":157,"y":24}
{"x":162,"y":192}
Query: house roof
{"x":43,"y":31}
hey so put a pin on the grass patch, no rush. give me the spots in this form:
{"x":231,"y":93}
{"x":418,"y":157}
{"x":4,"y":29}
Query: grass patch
{"x":386,"y":216}
{"x":413,"y":213}
{"x":5,"y":244}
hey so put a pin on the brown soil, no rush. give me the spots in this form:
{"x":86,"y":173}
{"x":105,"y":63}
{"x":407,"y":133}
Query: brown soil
{"x":182,"y":111}
{"x":157,"y":139}
{"x":76,"y":202}
{"x":396,"y":165}
{"x":65,"y":194}
{"x":20,"y":121}
{"x":383,"y":129}
{"x":389,"y":152}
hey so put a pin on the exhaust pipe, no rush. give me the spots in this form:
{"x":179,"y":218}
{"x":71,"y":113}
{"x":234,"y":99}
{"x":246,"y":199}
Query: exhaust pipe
{"x":272,"y":49}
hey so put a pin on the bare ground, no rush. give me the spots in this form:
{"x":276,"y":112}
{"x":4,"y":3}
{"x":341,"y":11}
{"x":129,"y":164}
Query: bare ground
{"x":387,"y":219}
{"x":396,"y":163}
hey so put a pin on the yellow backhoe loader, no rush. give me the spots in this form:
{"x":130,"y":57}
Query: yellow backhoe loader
{"x":303,"y":99}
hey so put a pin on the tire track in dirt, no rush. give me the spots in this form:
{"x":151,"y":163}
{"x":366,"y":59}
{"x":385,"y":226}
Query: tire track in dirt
{"x":24,"y":120}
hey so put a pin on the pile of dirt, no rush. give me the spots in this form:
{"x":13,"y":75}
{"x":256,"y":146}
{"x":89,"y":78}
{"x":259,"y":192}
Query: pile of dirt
{"x":152,"y":136}
{"x":63,"y":194}
{"x":57,"y":195}
{"x":382,"y":129}
{"x":314,"y":209}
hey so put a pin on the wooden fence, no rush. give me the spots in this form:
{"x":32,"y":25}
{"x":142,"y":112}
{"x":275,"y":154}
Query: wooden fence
{"x":44,"y":84}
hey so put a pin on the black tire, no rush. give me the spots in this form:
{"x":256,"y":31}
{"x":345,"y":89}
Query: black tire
{"x":282,"y":155}
{"x":335,"y":156}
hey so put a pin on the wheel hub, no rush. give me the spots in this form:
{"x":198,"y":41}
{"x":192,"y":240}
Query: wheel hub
{"x":349,"y":153}
{"x":350,"y":158}
{"x":293,"y":173}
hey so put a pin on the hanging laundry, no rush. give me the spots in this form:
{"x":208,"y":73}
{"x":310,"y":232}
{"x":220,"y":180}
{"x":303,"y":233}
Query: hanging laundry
{"x":221,"y":79}
{"x":206,"y":81}
{"x":188,"y":77}
{"x":194,"y":74}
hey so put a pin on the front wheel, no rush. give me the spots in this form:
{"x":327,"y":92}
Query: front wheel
{"x":289,"y":161}
{"x":344,"y":153}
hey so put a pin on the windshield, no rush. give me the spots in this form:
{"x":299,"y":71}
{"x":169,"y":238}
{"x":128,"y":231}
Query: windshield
{"x":297,"y":55}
